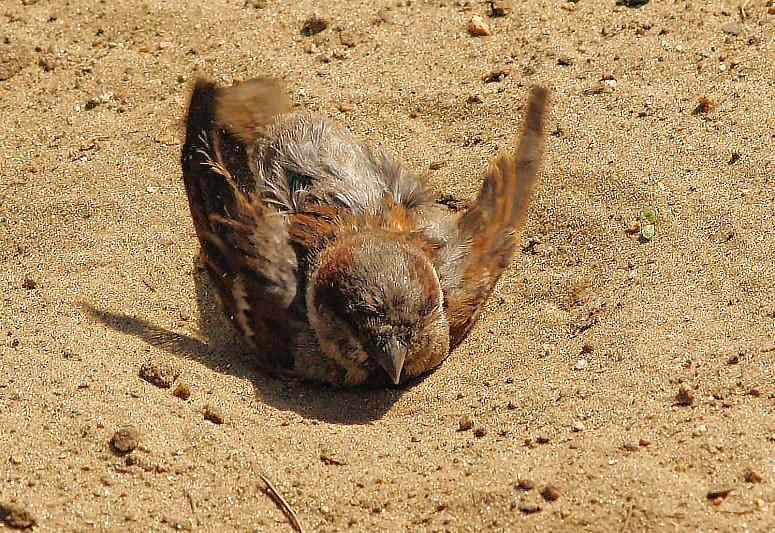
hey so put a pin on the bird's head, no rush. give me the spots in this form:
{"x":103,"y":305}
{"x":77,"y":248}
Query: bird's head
{"x":376,"y":306}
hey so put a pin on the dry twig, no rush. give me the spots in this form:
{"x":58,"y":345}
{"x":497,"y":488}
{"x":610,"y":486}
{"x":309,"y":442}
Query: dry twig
{"x":282,"y":504}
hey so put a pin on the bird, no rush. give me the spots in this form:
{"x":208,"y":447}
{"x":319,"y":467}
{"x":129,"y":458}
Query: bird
{"x":333,"y":262}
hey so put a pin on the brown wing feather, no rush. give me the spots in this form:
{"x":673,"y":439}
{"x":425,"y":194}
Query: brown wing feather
{"x":490,"y":224}
{"x":245,"y":244}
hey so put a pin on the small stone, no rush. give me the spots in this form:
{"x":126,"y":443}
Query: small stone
{"x":752,"y":476}
{"x":497,"y":75}
{"x":436,"y":165}
{"x":645,"y":443}
{"x":474,"y":99}
{"x":754,"y":392}
{"x":182,"y":391}
{"x":348,"y":39}
{"x":581,"y":364}
{"x":465,"y":423}
{"x":715,"y":495}
{"x":630,"y":447}
{"x":732,"y":28}
{"x":314,"y":25}
{"x":578,"y":426}
{"x":704,"y":106}
{"x":525,"y":484}
{"x":125,"y":439}
{"x":529,"y":508}
{"x":632,"y":3}
{"x":160,"y":374}
{"x":498,"y":8}
{"x":478,"y":27}
{"x":385,"y":16}
{"x":565,"y":61}
{"x":29,"y":284}
{"x":684,"y":397}
{"x":16,"y":517}
{"x":550,"y":493}
{"x":344,"y":108}
{"x":542,"y":439}
{"x":213,"y":414}
{"x":633,"y":227}
{"x":480,"y":432}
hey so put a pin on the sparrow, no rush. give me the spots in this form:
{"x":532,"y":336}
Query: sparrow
{"x":328,"y":257}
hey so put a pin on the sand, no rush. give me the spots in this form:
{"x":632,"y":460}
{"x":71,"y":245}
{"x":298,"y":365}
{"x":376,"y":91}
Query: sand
{"x":571,"y":378}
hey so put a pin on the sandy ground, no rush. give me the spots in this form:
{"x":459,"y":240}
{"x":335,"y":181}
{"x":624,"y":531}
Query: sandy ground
{"x":571,"y":377}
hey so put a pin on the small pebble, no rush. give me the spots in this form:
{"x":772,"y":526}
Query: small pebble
{"x":684,"y":397}
{"x":125,"y":439}
{"x":704,"y":106}
{"x":465,"y":423}
{"x":344,"y":108}
{"x":478,"y":27}
{"x":29,"y":284}
{"x":498,"y":8}
{"x":581,"y":364}
{"x":633,"y":227}
{"x":542,"y":439}
{"x":644,"y":443}
{"x":182,"y":391}
{"x":160,"y":374}
{"x":550,"y":493}
{"x":715,"y":495}
{"x":525,"y":484}
{"x":213,"y":414}
{"x":480,"y":432}
{"x":529,"y":508}
{"x":578,"y":426}
{"x":731,"y":28}
{"x":348,"y":39}
{"x":497,"y":75}
{"x":752,"y":476}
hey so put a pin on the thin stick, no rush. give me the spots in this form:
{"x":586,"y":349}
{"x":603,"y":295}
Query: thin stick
{"x":283,"y":505}
{"x":191,"y":503}
{"x":743,"y":14}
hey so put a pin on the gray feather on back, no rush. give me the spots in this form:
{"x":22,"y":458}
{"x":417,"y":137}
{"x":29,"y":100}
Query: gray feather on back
{"x":309,"y":159}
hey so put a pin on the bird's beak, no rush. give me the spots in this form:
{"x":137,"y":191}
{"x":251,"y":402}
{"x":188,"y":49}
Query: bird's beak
{"x":391,"y":358}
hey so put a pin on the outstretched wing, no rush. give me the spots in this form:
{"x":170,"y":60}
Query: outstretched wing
{"x":245,"y":243}
{"x":485,"y":234}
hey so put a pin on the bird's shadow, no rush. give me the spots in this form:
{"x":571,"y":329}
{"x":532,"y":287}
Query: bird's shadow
{"x":220,"y":349}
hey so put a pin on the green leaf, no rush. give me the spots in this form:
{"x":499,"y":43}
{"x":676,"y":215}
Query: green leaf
{"x":648,"y":231}
{"x":650,"y":215}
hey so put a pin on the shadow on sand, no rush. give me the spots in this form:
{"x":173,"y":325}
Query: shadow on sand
{"x":223,"y":352}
